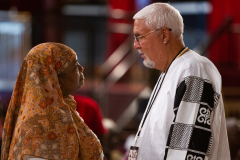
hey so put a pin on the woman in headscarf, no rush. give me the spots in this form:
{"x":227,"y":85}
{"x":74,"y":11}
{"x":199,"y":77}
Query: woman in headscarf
{"x":41,"y":120}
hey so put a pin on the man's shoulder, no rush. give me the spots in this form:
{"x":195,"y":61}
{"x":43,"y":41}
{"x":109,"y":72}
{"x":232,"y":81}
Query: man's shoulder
{"x":188,"y":61}
{"x":201,"y":67}
{"x":193,"y":59}
{"x":193,"y":64}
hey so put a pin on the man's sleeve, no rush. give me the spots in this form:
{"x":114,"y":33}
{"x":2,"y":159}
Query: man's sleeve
{"x":190,"y":136}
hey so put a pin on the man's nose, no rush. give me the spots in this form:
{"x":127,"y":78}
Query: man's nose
{"x":136,"y":45}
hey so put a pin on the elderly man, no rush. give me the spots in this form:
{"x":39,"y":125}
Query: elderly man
{"x":184,"y":119}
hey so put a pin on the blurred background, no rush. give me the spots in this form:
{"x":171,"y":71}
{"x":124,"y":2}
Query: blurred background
{"x":100,"y":32}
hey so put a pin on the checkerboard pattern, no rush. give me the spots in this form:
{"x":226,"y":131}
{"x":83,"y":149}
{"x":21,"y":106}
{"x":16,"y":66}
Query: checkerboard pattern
{"x":190,"y":136}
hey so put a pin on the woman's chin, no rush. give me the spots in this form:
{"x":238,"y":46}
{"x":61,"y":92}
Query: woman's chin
{"x":81,"y":83}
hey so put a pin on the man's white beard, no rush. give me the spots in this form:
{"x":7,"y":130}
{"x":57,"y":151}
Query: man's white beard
{"x":147,"y":62}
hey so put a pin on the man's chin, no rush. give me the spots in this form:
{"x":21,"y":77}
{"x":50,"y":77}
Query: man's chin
{"x":146,"y":64}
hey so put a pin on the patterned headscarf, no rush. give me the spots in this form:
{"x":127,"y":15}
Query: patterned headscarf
{"x":40,"y":121}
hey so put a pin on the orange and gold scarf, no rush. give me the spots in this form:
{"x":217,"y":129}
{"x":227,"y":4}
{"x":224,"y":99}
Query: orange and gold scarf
{"x":40,"y":121}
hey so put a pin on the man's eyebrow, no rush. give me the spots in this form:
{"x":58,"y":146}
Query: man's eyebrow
{"x":136,"y":34}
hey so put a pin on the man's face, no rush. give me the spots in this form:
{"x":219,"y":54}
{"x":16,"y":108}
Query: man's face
{"x":149,"y":46}
{"x":72,"y":78}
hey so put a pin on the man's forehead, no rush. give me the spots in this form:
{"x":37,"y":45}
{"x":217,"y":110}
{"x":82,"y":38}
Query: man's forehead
{"x":139,"y":25}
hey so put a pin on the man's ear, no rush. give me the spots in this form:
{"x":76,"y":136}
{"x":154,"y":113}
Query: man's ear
{"x":166,"y":35}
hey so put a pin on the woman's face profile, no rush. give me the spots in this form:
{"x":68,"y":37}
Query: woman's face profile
{"x":72,"y":78}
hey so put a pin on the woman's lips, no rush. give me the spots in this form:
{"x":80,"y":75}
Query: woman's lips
{"x":82,"y":76}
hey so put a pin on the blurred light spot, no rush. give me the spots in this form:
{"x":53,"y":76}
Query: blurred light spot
{"x":192,"y":7}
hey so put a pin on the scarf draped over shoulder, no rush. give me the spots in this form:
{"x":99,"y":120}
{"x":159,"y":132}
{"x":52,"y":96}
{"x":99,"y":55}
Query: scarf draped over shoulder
{"x":40,"y":121}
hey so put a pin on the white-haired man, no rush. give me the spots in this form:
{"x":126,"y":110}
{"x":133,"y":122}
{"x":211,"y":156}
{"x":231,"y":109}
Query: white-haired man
{"x":185,"y":118}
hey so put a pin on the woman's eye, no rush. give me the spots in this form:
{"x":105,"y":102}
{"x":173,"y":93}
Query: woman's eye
{"x":76,"y":67}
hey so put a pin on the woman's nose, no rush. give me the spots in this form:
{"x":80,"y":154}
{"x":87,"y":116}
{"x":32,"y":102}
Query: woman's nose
{"x":80,"y":68}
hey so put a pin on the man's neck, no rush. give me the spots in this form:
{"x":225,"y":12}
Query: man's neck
{"x":173,"y":52}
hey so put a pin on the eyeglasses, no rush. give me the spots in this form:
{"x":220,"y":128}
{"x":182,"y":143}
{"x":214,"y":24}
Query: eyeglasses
{"x":141,"y":36}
